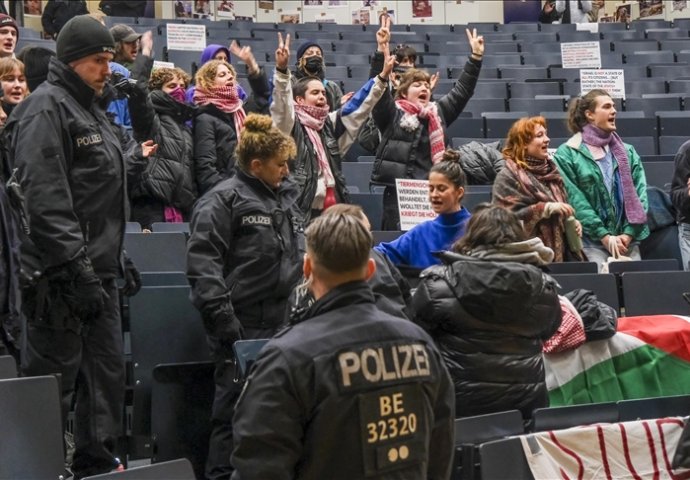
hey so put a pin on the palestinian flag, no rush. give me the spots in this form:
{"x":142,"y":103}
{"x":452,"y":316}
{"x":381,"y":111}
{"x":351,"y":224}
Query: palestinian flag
{"x":648,"y":357}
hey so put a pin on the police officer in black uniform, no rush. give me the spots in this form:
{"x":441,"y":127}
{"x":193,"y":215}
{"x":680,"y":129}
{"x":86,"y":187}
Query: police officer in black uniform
{"x":347,"y":391}
{"x":243,"y":260}
{"x":72,"y":170}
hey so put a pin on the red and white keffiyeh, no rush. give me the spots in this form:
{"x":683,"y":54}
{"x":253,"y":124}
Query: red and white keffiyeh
{"x":436,"y":136}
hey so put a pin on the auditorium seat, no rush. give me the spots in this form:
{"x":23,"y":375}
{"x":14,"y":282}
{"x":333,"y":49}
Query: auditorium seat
{"x":520,"y":74}
{"x":673,"y":123}
{"x":648,"y":408}
{"x":647,"y":57}
{"x":477,"y":106}
{"x":497,"y":124}
{"x":659,"y":174}
{"x":530,"y":89}
{"x":650,"y":103}
{"x":504,"y":460}
{"x":466,"y":127}
{"x":157,"y":252}
{"x":669,"y":145}
{"x":534,"y":106}
{"x":557,"y":418}
{"x":655,"y":293}
{"x":358,"y":174}
{"x":631,"y":46}
{"x":179,"y":469}
{"x":372,"y":204}
{"x":159,"y":227}
{"x":8,"y":367}
{"x":602,"y":284}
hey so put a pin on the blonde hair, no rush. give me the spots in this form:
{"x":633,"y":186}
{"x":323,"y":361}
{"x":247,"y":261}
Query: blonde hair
{"x":206,"y":75}
{"x":260,"y":139}
{"x":339,"y":243}
{"x":7,"y":67}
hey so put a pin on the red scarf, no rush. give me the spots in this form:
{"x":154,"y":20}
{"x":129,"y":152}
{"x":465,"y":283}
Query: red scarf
{"x":313,"y":118}
{"x":436,"y":138}
{"x":226,"y":100}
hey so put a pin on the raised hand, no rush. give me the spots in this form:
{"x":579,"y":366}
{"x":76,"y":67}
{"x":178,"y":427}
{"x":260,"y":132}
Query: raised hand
{"x":245,"y":54}
{"x":346,"y":98}
{"x":433,"y":81}
{"x":146,"y":44}
{"x":283,"y":52}
{"x":383,"y":35}
{"x":388,"y":67}
{"x":476,"y":42}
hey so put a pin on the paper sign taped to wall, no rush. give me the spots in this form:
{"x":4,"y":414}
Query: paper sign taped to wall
{"x":581,"y":55}
{"x":186,"y":37}
{"x":613,"y":81}
{"x":413,"y":202}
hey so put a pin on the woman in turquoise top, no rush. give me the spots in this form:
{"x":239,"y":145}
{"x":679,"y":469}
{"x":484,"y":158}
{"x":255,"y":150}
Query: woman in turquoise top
{"x":604,"y":179}
{"x":415,"y":248}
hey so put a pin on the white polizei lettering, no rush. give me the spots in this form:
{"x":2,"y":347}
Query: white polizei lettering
{"x":386,"y":374}
{"x":256,"y":220}
{"x":349,"y":364}
{"x":366,"y":355}
{"x":89,"y":140}
{"x":421,"y":357}
{"x":407,"y":372}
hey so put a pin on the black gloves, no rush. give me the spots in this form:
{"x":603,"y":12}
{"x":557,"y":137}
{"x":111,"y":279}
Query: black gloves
{"x":80,"y":287}
{"x":224,"y":325}
{"x":132,"y":279}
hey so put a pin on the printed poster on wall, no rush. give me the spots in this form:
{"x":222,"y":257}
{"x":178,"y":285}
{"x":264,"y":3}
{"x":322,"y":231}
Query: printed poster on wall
{"x":33,"y":7}
{"x":649,"y":8}
{"x":421,"y":8}
{"x":361,"y":16}
{"x":202,"y":9}
{"x":680,"y":5}
{"x":292,"y":16}
{"x":312,"y":3}
{"x":224,"y":9}
{"x":183,"y":8}
{"x":385,"y":12}
{"x":266,"y":4}
{"x":413,"y":202}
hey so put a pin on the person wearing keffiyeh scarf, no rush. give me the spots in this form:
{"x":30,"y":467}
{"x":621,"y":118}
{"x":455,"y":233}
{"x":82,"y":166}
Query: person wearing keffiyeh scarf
{"x":532,"y":187}
{"x":300,"y":109}
{"x":221,"y":115}
{"x":604,"y":179}
{"x":412,"y":126}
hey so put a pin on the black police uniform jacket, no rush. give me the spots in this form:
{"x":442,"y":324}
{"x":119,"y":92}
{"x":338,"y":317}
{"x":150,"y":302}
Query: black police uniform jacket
{"x":489,"y":319}
{"x":348,"y":393}
{"x":245,"y":250}
{"x":215,"y":137}
{"x":72,"y":170}
{"x":168,"y":178}
{"x":407,"y":154}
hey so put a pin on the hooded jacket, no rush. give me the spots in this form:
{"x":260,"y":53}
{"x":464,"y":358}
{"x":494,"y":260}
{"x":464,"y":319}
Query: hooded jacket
{"x":489,"y":319}
{"x":207,"y":54}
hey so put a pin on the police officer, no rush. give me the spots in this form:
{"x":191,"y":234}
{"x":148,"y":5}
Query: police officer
{"x":347,"y":391}
{"x":72,"y":170}
{"x":243,"y":259}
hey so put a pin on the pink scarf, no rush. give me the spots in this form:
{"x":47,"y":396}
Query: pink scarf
{"x":634,"y":210}
{"x":436,"y":138}
{"x":226,"y":100}
{"x":312,"y":119}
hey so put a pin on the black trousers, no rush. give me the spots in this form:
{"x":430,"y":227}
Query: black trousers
{"x":227,"y":392}
{"x":89,"y":358}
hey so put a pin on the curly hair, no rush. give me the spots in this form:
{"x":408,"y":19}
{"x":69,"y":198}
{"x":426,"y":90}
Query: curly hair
{"x":520,"y":134}
{"x":261,"y":139}
{"x":206,"y":75}
{"x":161,"y":76}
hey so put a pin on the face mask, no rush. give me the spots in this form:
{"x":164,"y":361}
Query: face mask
{"x":314,"y":64}
{"x":178,"y":95}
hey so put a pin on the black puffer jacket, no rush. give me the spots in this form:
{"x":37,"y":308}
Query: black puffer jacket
{"x":168,"y":178}
{"x":489,"y":320}
{"x":215,"y":137}
{"x":481,"y":162}
{"x":72,"y":170}
{"x":405,"y":154}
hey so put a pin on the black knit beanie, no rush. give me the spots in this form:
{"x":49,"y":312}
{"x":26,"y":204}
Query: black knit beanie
{"x":36,"y":60}
{"x":82,"y":36}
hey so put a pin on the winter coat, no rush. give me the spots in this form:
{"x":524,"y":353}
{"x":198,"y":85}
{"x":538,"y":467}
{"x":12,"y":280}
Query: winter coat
{"x":337,"y":135}
{"x":405,"y":154}
{"x":311,"y":407}
{"x":587,"y":193}
{"x":215,"y":138}
{"x":489,"y":319}
{"x":481,"y":162}
{"x":58,"y":12}
{"x":168,"y":179}
{"x":72,"y":170}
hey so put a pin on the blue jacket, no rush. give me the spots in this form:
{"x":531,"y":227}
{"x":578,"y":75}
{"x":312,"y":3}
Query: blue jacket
{"x":415,"y":248}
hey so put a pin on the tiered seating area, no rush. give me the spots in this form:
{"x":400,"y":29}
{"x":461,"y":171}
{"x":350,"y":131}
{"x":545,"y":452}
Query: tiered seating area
{"x":521,"y":75}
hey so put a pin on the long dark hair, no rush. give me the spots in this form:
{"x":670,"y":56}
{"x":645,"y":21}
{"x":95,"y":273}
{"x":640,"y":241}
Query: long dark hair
{"x":490,"y":225}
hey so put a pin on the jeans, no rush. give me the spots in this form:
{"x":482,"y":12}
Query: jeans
{"x":684,"y":242}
